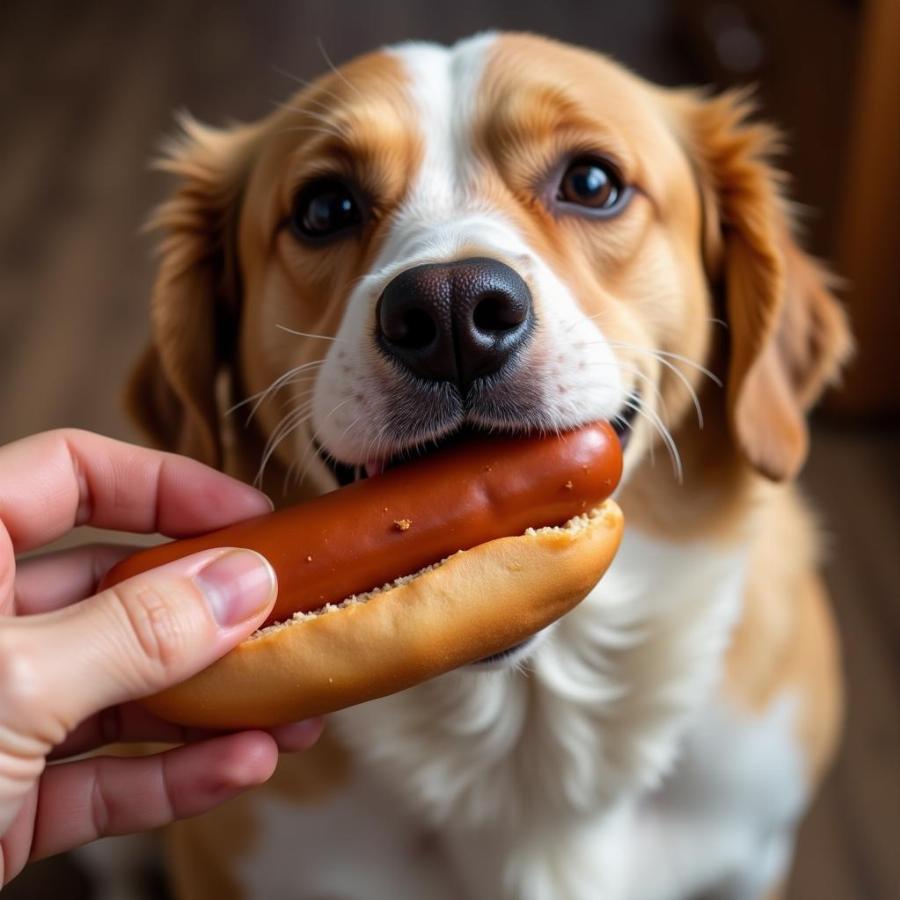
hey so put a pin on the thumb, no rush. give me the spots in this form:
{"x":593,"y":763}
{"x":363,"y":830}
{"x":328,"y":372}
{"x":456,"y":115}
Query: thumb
{"x":138,"y":637}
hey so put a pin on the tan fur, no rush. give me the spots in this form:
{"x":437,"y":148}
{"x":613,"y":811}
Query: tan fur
{"x":314,"y":775}
{"x":227,"y":261}
{"x":787,"y":335}
{"x":649,"y":254}
{"x":197,"y":846}
{"x":708,"y":235}
{"x":786,"y":639}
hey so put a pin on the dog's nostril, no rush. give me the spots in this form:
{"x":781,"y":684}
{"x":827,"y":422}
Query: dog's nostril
{"x":413,"y":329}
{"x":404,"y":322}
{"x":498,"y":312}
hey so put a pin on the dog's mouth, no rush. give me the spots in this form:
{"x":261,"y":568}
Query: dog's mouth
{"x":623,"y":421}
{"x":345,"y":473}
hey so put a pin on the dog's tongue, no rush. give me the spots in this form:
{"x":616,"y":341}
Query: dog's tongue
{"x":374,"y":467}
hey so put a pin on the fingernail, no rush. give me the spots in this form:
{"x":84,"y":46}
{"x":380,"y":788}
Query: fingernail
{"x":270,"y":502}
{"x":299,"y":735}
{"x":237,"y":585}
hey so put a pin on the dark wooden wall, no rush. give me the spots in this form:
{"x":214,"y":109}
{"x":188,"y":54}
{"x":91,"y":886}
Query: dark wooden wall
{"x":86,"y":91}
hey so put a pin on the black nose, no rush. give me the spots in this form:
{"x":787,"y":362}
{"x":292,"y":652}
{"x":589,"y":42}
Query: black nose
{"x":455,"y":321}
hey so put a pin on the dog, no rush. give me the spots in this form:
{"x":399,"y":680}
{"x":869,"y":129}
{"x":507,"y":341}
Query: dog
{"x":575,"y":244}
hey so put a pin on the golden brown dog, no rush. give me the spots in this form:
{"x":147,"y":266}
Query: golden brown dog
{"x":512,"y":234}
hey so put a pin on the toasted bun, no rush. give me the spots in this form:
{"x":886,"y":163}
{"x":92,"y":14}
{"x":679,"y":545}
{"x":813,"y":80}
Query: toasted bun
{"x":474,"y":604}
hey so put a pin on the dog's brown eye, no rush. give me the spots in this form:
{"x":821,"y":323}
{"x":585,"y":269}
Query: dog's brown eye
{"x":324,"y":208}
{"x":592,"y":184}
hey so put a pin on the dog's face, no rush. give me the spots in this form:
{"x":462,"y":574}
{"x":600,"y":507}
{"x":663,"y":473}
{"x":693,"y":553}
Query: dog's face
{"x":509,"y":235}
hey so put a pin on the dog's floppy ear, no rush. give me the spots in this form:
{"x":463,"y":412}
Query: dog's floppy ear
{"x":194,"y":306}
{"x":787,"y":333}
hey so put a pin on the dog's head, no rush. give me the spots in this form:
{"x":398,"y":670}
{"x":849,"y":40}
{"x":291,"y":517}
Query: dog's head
{"x":510,"y":234}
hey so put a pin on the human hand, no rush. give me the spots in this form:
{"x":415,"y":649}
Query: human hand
{"x":69,"y":666}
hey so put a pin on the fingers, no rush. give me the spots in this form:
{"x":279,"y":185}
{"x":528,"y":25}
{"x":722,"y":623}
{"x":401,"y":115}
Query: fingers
{"x":130,"y":722}
{"x":47,"y":582}
{"x":134,"y":639}
{"x":53,"y":481}
{"x":298,"y":735}
{"x":126,"y":723}
{"x":82,"y":801}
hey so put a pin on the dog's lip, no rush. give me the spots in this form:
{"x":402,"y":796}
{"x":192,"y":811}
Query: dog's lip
{"x":623,"y":421}
{"x":343,"y":473}
{"x":371,"y":468}
{"x":346,"y":473}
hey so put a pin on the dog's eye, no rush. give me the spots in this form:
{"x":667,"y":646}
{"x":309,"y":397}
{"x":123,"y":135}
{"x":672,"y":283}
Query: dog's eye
{"x":323,"y":208}
{"x":593,"y":184}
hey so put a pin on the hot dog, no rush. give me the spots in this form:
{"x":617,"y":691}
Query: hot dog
{"x":454,"y":520}
{"x":369,"y":533}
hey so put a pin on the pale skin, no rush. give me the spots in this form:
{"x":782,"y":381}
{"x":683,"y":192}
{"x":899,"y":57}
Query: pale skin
{"x":72,"y":661}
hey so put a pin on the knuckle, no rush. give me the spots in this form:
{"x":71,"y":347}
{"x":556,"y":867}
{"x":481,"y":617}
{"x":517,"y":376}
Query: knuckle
{"x":21,"y":686}
{"x":24,"y":696}
{"x":156,"y":624}
{"x":65,"y":432}
{"x":65,"y":435}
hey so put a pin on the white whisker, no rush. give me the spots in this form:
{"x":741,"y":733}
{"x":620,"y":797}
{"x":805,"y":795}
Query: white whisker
{"x":664,"y":358}
{"x":326,"y":118}
{"x":663,"y":432}
{"x":306,"y":83}
{"x":307,"y":334}
{"x":660,"y":357}
{"x":289,"y":421}
{"x":303,"y":82}
{"x":652,"y":385}
{"x":695,"y":400}
{"x":349,"y":428}
{"x":320,"y":114}
{"x":309,"y":451}
{"x":669,"y":355}
{"x":281,"y":381}
{"x":714,"y":320}
{"x":329,"y":132}
{"x":335,"y":69}
{"x":259,"y":396}
{"x":319,"y":106}
{"x":288,"y":424}
{"x":309,"y":454}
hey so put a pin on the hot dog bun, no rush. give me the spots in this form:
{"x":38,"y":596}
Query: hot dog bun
{"x":512,"y":520}
{"x":475,"y":603}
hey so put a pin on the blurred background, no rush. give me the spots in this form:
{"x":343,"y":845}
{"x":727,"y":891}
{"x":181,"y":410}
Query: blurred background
{"x":88,"y":88}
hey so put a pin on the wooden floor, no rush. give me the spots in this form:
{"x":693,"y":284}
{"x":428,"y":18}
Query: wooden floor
{"x":87,"y":89}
